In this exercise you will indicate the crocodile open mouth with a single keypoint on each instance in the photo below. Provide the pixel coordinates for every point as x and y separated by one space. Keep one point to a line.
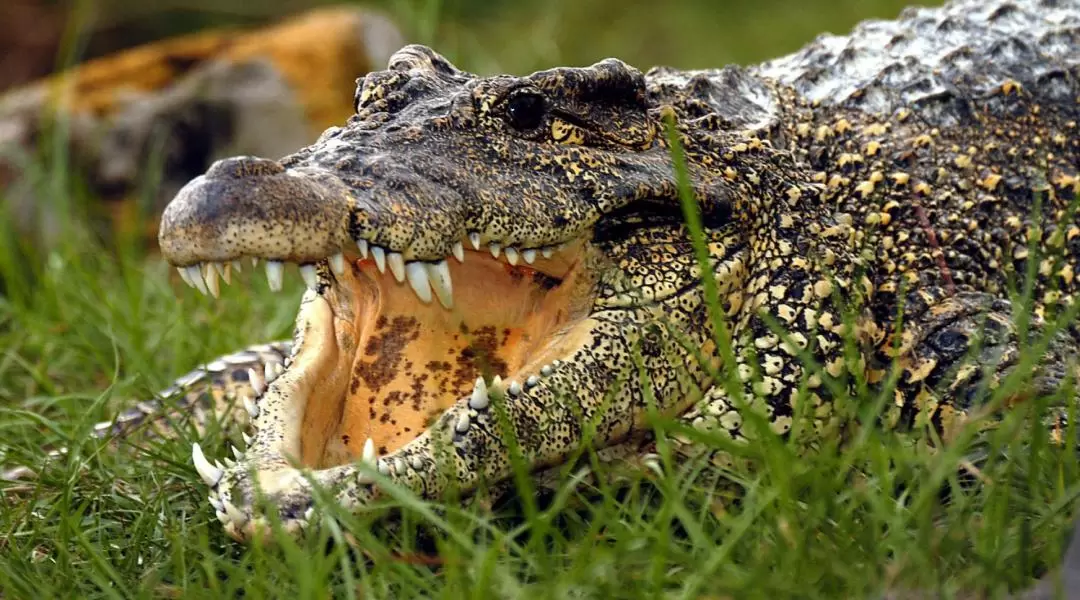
384 346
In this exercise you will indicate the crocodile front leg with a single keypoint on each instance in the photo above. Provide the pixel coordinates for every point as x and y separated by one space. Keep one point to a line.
212 392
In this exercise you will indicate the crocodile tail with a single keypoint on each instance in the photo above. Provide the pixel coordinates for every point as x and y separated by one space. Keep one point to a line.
212 392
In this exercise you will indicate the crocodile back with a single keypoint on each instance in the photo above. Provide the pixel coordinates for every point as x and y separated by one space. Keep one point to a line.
934 59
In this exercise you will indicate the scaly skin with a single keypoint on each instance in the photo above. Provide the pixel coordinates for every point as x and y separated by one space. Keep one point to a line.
891 173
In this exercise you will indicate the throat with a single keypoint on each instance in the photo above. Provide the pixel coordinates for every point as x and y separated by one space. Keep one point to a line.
394 363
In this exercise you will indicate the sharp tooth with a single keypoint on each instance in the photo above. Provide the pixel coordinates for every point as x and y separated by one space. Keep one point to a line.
247 439
184 275
275 271
496 384
237 453
309 513
547 251
218 506
257 382
652 461
231 529
337 264
474 239
380 257
545 370
384 467
417 462
397 265
210 474
234 513
462 424
495 247
439 278
236 266
212 280
254 261
230 462
363 246
368 455
195 274
512 256
307 272
458 251
529 255
479 398
418 279
270 371
251 407
223 270
532 381
514 389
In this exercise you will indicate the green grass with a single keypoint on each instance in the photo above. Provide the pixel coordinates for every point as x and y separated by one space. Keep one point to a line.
847 521
86 327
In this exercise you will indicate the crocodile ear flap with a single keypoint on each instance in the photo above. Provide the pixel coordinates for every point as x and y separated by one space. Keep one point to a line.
609 81
607 98
415 70
728 98
416 57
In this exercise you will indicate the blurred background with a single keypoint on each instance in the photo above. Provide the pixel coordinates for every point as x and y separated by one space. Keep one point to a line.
482 35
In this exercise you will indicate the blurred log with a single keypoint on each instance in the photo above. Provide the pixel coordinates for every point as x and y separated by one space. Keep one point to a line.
137 125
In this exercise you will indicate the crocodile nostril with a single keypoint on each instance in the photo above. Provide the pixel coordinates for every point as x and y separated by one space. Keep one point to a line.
239 167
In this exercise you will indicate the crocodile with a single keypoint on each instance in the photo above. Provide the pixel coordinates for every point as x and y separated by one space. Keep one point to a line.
515 268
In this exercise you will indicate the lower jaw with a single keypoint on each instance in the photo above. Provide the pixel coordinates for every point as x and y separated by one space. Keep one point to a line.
372 361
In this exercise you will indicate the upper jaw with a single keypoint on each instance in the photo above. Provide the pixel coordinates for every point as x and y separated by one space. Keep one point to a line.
258 208
254 207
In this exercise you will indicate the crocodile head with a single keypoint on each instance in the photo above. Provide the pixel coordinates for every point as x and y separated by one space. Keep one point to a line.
456 227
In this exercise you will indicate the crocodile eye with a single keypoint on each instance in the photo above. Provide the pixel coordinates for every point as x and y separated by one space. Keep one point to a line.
526 111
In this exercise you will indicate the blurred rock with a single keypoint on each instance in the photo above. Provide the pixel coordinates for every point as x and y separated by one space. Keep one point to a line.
139 124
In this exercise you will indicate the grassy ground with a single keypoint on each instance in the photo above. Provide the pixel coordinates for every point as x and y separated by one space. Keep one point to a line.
87 327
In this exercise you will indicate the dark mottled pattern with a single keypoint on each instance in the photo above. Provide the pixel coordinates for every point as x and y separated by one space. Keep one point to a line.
386 349
917 167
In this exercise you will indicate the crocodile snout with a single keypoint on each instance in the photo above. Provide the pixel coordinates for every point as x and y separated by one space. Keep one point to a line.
256 207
